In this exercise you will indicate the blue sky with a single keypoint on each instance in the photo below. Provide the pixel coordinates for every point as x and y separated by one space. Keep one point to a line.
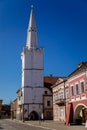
62 31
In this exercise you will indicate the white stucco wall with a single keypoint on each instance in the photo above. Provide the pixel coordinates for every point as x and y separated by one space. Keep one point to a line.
32 78
32 75
32 58
33 95
32 67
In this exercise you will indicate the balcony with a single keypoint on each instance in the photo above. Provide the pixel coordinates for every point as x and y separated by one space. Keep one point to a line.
60 102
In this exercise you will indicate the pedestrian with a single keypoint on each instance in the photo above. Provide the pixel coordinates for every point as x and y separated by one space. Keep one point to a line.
42 117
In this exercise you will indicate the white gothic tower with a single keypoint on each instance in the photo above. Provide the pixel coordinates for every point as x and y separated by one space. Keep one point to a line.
32 73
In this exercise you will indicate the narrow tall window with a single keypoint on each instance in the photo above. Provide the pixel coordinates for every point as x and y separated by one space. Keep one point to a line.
72 90
66 93
61 112
53 97
61 95
48 103
77 90
82 87
56 96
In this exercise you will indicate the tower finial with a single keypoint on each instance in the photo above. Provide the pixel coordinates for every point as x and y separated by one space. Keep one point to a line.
32 6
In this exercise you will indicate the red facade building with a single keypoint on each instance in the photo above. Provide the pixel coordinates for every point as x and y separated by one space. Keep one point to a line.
76 106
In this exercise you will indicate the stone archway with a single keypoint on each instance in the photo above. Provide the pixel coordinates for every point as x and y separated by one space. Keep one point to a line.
33 115
79 113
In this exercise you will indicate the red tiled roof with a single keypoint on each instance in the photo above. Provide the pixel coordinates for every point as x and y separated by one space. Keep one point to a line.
50 79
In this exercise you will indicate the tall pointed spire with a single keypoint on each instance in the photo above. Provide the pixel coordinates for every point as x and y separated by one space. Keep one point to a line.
32 40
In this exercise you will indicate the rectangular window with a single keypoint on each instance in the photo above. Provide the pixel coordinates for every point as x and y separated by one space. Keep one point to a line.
53 97
61 112
48 103
66 93
61 95
45 92
56 96
77 90
82 87
72 90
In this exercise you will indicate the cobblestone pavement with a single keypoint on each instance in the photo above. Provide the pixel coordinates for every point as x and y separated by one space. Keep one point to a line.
6 124
53 125
49 125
